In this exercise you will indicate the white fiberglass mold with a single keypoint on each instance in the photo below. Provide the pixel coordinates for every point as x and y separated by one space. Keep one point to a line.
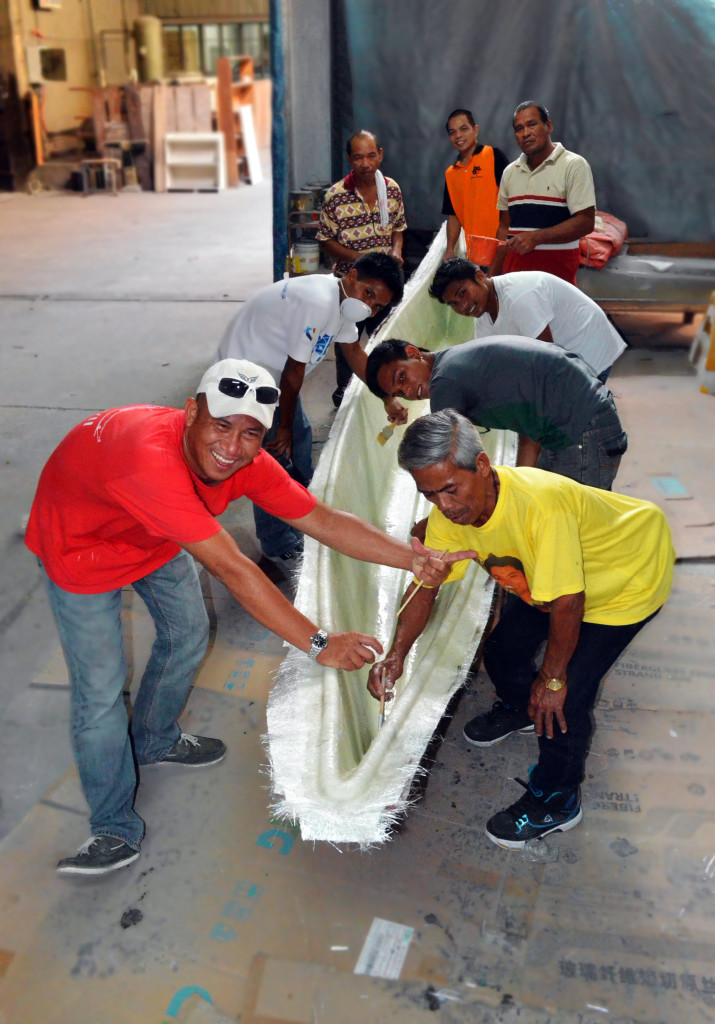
333 772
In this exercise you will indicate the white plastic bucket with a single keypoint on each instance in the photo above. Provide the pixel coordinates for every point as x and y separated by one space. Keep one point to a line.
306 257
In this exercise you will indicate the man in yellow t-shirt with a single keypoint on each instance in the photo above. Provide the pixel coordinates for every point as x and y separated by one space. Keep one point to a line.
585 570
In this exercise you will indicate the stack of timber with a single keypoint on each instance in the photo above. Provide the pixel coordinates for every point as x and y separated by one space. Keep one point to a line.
140 116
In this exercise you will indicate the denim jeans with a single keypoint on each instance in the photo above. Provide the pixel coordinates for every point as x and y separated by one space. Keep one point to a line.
276 537
90 630
509 660
596 457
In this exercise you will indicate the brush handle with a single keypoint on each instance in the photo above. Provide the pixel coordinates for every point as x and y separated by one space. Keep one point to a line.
381 718
404 604
420 583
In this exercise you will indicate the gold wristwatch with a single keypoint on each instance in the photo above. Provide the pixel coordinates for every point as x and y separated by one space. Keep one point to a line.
555 684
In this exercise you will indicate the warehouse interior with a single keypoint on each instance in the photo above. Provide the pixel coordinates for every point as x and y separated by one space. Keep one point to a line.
119 278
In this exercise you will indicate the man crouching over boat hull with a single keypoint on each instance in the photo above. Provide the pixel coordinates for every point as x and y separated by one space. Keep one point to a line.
586 569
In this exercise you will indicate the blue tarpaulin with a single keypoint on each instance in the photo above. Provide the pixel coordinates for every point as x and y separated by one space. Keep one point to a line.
629 84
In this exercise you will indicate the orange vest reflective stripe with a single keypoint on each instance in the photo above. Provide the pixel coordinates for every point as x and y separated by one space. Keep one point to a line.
473 191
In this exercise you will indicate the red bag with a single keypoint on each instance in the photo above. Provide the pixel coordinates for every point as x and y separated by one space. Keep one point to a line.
605 241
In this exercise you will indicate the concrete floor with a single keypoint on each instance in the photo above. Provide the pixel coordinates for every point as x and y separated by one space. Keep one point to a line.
105 301
112 301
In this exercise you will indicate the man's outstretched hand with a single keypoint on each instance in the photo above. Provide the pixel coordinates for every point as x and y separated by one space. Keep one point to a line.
349 651
432 567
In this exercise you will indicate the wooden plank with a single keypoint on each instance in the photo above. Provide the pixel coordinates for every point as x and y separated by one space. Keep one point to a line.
250 146
37 128
649 305
201 97
114 102
685 250
224 103
170 119
159 131
146 92
99 117
184 109
138 133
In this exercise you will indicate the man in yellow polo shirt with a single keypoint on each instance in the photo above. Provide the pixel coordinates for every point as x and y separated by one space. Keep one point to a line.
585 569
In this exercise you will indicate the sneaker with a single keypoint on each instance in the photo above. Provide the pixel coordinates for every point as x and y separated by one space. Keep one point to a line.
195 751
533 817
98 856
338 396
496 725
288 560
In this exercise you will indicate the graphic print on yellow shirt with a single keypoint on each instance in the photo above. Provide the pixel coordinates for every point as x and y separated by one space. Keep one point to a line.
569 538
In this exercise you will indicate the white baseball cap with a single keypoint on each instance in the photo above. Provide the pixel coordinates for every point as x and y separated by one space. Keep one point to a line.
238 387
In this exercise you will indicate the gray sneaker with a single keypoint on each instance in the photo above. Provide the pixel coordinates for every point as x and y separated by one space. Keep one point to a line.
98 856
195 751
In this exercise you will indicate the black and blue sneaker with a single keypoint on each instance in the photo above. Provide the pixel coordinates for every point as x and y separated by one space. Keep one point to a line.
534 816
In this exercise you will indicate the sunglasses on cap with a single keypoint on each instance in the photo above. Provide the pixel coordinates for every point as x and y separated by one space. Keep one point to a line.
238 388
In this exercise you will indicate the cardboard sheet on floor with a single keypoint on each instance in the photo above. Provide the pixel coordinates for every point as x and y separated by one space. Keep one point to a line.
614 917
670 447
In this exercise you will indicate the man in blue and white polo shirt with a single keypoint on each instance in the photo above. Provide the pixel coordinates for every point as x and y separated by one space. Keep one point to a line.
288 329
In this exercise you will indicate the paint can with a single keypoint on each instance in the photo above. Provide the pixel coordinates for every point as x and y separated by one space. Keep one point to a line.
306 257
300 200
318 190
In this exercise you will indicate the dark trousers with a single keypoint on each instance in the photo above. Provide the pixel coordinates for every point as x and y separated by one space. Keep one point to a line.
509 659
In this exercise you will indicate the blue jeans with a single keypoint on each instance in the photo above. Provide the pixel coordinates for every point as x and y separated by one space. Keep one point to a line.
509 660
596 457
276 537
90 630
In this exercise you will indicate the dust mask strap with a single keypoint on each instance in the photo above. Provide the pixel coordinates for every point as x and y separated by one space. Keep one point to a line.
351 309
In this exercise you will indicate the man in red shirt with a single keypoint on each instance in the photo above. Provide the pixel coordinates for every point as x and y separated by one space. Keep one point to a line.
130 496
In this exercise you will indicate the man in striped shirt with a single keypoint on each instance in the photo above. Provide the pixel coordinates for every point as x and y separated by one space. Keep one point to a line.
546 201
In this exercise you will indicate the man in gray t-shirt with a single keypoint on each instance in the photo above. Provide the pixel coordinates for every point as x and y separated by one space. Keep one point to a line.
566 419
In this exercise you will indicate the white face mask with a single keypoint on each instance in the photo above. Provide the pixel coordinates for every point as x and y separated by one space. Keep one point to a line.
353 310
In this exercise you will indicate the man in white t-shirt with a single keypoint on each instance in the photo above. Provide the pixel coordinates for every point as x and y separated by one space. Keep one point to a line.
532 304
288 329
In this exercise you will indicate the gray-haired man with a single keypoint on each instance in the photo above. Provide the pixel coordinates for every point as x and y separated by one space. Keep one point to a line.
585 570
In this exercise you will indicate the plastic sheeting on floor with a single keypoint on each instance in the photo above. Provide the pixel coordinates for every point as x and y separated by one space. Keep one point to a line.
333 771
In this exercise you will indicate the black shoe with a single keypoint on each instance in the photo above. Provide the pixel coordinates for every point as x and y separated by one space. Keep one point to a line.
496 725
98 856
195 751
289 559
533 817
338 396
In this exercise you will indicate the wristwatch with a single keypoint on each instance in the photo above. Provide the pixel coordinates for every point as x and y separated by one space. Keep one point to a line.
318 643
555 684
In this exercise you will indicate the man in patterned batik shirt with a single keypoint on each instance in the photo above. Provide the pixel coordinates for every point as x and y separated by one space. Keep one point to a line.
361 213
